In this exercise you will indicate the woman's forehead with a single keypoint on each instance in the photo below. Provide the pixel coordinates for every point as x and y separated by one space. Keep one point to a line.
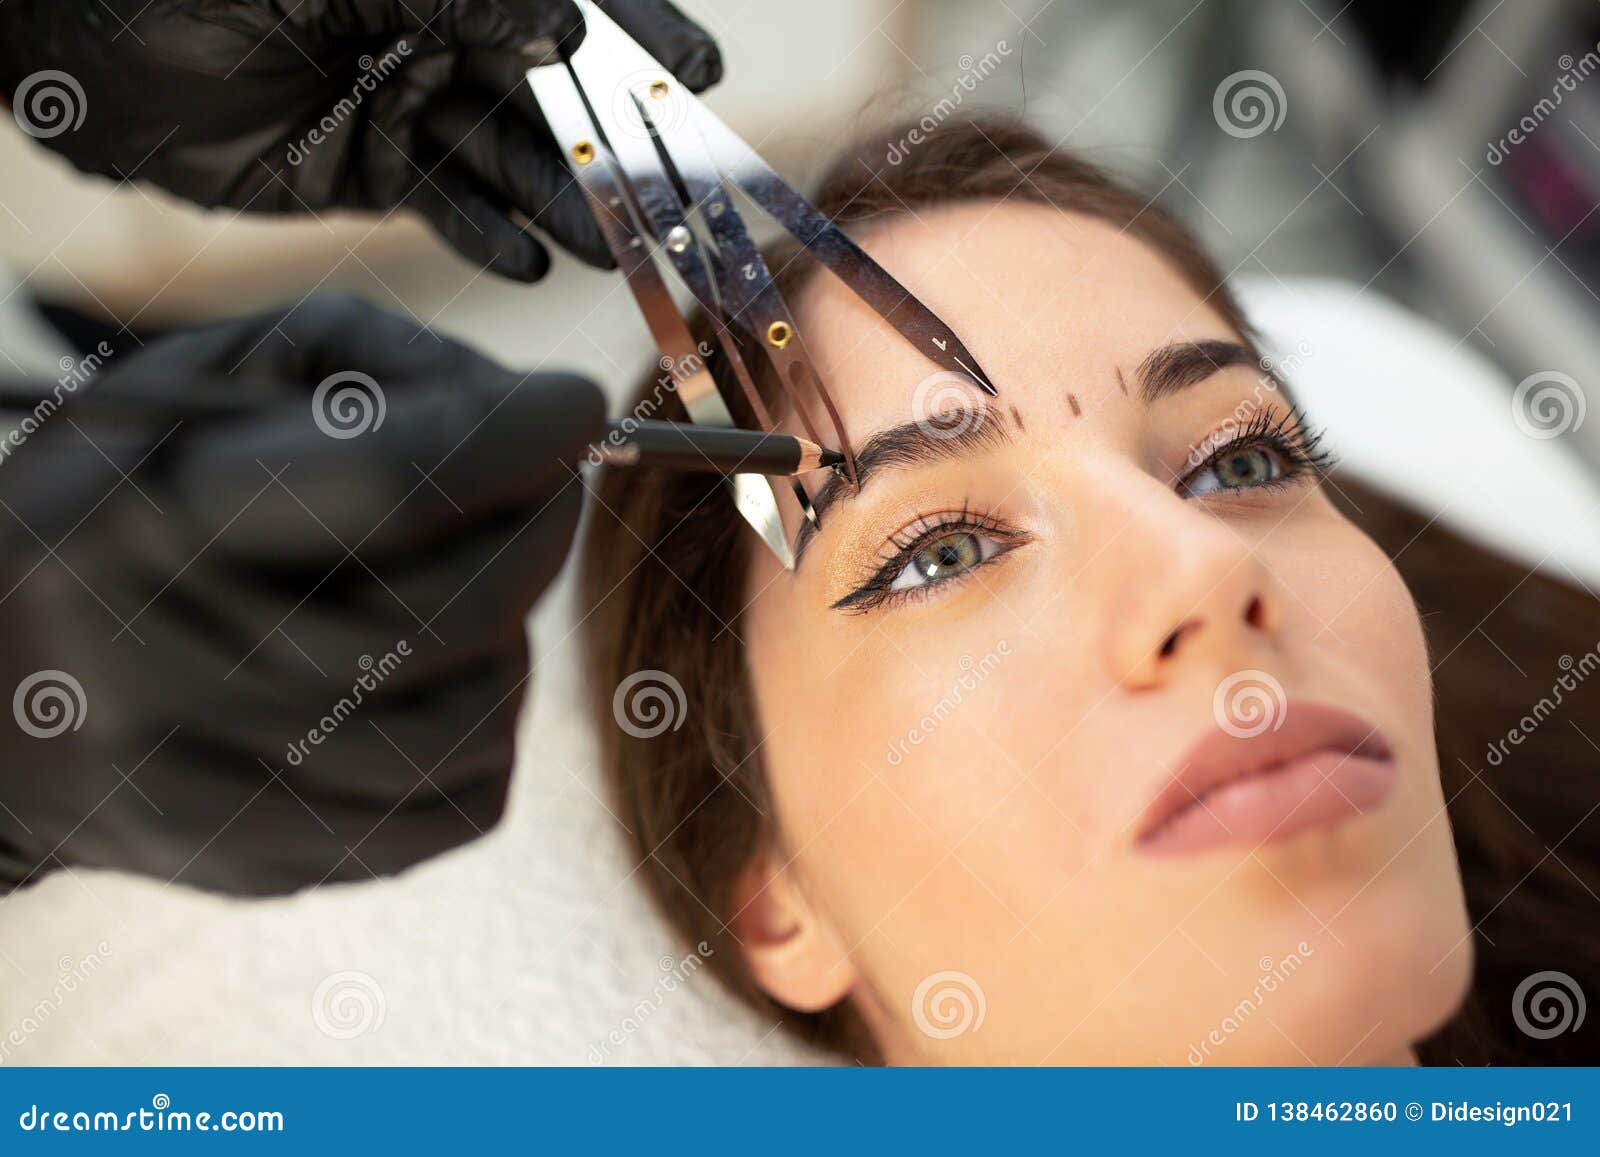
1042 298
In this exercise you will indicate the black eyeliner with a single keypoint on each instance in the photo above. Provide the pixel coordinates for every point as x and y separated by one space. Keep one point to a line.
906 542
1284 431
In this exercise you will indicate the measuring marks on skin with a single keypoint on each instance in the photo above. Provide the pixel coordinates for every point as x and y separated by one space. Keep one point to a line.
1072 403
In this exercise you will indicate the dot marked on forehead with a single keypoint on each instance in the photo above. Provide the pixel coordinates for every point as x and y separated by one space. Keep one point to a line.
1016 416
1077 410
1122 383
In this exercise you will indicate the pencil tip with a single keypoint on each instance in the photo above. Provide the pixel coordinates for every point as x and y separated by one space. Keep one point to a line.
830 458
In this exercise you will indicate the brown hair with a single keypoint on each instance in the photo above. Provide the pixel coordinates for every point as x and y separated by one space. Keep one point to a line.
665 598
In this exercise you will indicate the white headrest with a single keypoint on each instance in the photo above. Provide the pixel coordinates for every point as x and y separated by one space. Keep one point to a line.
1413 410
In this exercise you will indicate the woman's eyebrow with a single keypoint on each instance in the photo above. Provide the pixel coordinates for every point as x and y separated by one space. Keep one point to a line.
1171 368
956 433
949 434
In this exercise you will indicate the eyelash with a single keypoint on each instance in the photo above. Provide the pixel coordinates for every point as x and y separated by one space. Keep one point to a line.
1285 432
905 543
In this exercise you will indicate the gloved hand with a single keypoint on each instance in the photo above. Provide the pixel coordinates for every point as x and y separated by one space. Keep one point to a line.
260 650
324 104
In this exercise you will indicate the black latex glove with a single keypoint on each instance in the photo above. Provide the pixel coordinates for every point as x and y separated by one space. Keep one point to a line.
238 103
214 589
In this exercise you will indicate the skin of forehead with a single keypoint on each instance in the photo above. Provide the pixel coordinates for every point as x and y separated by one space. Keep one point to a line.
1024 285
1029 288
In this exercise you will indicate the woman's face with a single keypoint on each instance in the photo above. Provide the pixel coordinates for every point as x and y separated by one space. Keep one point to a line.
1089 715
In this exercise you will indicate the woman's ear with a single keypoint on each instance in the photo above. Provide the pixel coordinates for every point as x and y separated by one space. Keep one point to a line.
789 946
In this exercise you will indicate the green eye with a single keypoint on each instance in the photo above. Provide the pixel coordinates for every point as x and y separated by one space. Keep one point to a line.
1237 469
1248 467
935 552
942 558
1276 447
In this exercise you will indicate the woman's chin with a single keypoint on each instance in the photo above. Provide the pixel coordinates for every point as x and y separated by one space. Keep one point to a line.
1341 967
1387 971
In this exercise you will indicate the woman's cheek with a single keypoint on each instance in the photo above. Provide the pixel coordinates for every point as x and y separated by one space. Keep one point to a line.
1363 613
904 704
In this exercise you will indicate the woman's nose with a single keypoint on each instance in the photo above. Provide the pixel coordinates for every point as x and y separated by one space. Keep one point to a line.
1192 591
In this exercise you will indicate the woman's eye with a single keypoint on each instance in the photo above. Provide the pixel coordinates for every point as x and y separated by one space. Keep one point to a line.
1236 469
945 557
934 551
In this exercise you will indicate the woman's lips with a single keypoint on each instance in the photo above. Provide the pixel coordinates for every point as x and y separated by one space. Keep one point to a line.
1322 766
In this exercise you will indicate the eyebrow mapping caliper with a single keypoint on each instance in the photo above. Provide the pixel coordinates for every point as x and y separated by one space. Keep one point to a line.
655 166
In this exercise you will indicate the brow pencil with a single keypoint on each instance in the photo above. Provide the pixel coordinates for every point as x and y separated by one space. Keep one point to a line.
724 449
627 442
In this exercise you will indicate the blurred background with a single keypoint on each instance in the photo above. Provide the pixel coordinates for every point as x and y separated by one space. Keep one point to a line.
1444 156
